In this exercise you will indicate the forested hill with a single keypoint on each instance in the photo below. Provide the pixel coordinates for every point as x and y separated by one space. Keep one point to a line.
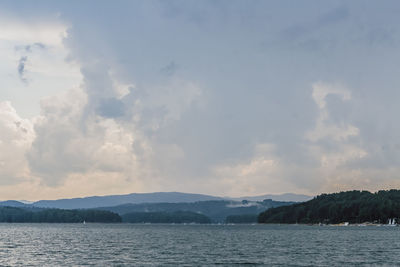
217 210
21 215
351 206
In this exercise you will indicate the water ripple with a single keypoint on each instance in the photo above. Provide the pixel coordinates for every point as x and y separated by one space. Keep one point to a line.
196 245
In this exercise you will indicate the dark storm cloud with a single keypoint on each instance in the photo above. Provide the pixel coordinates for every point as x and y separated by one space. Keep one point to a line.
21 69
23 59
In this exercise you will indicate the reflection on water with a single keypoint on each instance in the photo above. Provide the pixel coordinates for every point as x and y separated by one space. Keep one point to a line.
128 244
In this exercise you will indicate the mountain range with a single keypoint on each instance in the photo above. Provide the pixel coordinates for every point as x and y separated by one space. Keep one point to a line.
138 198
216 210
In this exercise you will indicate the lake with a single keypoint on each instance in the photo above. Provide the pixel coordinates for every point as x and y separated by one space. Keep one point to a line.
196 245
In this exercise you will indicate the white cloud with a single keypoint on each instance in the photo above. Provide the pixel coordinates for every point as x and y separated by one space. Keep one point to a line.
324 128
74 141
212 101
28 32
16 136
39 44
328 147
322 90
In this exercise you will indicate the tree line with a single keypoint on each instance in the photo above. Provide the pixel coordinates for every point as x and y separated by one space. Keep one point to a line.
351 206
165 217
20 215
216 210
43 215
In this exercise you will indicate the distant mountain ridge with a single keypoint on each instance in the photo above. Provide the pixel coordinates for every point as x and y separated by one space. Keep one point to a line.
216 210
159 204
13 203
138 198
114 200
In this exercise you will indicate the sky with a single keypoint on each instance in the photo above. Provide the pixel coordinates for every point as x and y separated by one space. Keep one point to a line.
228 98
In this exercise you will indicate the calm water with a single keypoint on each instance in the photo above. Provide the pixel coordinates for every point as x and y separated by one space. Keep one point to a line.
198 245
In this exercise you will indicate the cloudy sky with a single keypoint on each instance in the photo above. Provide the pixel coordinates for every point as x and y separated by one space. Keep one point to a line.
217 97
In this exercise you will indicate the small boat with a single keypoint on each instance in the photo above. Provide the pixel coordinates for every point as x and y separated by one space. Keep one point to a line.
84 222
392 222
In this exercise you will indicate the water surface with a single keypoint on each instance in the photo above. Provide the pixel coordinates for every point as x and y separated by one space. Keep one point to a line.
196 245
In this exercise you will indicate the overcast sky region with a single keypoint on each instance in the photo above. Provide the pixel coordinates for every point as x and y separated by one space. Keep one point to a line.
228 98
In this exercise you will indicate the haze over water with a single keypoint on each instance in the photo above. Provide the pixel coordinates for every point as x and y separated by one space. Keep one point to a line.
196 245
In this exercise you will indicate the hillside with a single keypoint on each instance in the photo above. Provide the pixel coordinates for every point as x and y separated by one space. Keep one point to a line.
114 200
137 198
216 210
351 206
22 215
13 203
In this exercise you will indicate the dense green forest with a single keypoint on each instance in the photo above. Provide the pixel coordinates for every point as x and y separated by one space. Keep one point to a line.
351 206
20 215
216 210
245 218
165 217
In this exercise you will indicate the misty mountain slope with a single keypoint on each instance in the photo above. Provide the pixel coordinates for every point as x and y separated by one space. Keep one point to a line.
217 210
279 197
157 197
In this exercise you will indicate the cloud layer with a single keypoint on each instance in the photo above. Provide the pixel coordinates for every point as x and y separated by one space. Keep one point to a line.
216 97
